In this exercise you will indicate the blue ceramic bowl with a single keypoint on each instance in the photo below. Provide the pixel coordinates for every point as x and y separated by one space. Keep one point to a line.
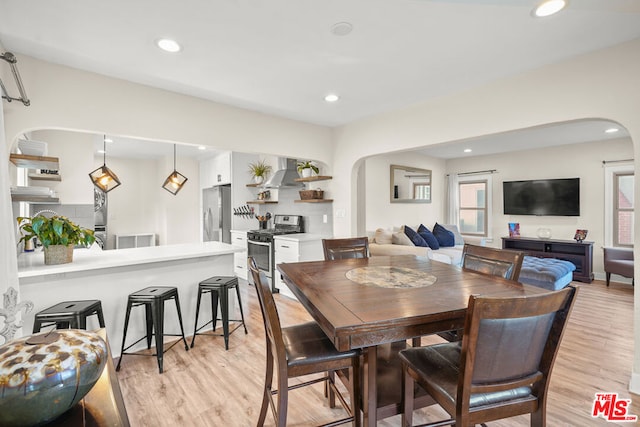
44 375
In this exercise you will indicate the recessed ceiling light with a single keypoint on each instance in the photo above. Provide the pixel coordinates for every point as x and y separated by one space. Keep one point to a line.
202 148
332 97
101 151
169 45
468 150
341 28
612 130
108 140
549 7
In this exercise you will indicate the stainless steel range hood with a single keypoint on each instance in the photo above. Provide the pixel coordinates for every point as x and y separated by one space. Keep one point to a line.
285 175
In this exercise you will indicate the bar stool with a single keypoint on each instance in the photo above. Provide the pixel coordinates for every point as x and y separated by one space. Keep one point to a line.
153 299
219 285
69 314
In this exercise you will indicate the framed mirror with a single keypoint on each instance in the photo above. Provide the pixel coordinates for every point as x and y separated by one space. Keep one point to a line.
410 185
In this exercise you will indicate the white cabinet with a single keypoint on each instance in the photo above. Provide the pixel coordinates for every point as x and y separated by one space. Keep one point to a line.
126 241
295 248
239 238
215 171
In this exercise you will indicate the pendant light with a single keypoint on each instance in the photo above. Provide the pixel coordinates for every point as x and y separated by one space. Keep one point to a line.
175 180
103 177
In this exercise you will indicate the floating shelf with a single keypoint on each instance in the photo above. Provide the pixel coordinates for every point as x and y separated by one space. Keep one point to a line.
314 201
254 185
45 177
261 202
313 178
34 162
34 199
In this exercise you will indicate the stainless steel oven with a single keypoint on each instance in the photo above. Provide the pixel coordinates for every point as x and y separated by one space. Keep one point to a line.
262 252
260 242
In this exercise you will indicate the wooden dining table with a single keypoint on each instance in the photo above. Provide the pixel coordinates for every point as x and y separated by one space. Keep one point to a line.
378 303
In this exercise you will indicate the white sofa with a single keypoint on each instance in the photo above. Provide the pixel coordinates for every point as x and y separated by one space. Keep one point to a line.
393 242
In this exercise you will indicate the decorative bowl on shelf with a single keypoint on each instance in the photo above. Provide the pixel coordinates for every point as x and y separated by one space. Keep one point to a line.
544 233
45 374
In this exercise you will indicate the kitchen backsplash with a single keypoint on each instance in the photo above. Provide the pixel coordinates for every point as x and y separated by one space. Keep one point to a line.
312 212
79 214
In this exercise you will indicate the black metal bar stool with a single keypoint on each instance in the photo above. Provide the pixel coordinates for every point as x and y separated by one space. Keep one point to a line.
218 287
69 314
153 299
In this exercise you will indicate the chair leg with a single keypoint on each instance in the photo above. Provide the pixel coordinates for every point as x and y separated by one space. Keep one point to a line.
214 308
149 322
354 389
407 396
608 278
266 394
283 399
332 394
224 306
240 305
184 339
124 335
195 326
158 325
100 317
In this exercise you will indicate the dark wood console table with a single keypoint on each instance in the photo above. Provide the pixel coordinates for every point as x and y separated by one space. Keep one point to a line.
580 254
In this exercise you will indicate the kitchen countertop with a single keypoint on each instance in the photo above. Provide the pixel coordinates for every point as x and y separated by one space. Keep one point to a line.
301 237
32 264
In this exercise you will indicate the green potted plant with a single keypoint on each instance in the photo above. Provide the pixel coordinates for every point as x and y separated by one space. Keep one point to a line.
57 234
307 168
259 170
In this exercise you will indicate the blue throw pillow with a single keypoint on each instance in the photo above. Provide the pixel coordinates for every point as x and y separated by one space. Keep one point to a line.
416 239
428 237
445 237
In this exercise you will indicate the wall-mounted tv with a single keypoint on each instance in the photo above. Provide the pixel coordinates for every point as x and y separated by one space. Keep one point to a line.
554 197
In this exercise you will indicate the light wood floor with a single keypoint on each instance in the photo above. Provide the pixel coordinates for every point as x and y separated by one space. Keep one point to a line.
208 386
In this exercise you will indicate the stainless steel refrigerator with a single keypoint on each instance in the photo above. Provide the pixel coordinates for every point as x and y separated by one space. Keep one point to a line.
216 214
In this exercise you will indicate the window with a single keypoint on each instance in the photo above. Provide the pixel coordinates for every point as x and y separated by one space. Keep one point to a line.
619 177
473 207
623 208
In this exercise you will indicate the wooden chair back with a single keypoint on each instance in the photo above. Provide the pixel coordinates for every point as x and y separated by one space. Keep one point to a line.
495 262
353 247
271 319
511 344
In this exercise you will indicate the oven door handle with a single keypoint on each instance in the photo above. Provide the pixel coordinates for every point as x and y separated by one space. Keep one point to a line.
253 242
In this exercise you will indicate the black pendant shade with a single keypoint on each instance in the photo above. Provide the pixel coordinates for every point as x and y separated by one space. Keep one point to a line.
103 177
175 180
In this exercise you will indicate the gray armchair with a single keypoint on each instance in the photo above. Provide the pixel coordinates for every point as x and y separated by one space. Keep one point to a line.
618 261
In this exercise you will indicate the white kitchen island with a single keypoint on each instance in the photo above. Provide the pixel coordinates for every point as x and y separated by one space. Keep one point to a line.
111 276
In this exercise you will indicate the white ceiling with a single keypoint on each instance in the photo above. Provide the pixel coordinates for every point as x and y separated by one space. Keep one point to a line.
280 56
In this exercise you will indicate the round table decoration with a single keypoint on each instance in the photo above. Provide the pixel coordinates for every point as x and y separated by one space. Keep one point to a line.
45 374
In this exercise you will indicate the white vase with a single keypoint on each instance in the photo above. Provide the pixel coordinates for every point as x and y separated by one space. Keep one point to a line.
258 179
306 173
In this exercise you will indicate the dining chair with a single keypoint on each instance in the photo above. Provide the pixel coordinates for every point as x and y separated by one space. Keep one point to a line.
297 351
503 365
352 247
491 261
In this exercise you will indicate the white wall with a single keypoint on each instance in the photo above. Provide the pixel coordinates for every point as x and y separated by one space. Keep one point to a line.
141 205
67 98
381 213
583 161
75 153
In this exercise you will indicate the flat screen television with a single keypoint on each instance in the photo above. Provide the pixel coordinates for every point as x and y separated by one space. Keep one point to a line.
553 197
